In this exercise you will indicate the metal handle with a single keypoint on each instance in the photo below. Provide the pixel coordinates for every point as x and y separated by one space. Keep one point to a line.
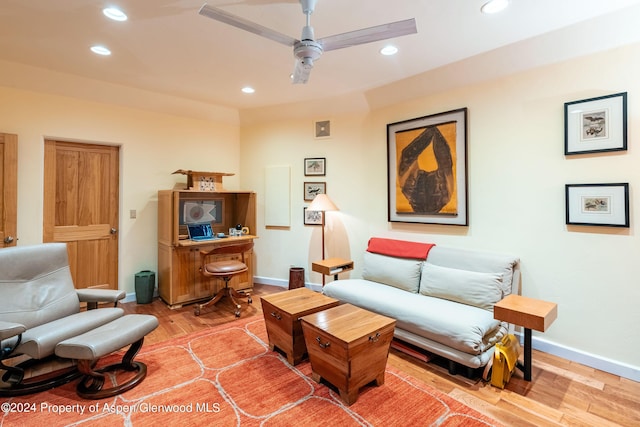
325 345
8 239
375 338
276 315
113 230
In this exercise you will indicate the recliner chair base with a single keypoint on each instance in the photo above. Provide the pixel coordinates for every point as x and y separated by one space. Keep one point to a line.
19 386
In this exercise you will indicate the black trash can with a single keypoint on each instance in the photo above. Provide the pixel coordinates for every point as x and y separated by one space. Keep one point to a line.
145 284
296 277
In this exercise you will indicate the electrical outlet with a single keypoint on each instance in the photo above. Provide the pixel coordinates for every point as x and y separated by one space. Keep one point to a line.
132 214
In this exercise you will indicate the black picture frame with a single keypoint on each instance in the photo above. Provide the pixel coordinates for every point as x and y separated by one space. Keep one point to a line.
411 191
596 125
315 166
312 217
312 189
599 204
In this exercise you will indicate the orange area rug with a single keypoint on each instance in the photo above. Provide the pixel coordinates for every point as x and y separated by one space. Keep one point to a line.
226 376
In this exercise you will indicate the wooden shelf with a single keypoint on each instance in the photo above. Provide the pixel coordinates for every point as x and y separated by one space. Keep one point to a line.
332 266
526 312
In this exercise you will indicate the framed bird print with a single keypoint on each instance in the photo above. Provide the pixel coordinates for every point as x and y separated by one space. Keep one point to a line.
596 124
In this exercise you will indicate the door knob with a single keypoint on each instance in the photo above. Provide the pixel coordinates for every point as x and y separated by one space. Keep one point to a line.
113 231
8 239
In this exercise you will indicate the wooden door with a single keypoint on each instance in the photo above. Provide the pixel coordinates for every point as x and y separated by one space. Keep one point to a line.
8 189
81 184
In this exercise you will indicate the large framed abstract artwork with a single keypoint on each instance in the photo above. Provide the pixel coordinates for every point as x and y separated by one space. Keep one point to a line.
427 169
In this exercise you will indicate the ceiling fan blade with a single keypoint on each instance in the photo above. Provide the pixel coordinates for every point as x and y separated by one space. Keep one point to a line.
368 35
301 72
243 24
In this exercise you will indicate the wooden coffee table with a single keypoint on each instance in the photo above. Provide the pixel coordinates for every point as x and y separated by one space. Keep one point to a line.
348 347
282 312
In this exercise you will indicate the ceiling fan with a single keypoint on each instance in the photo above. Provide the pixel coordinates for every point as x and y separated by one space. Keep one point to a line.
307 50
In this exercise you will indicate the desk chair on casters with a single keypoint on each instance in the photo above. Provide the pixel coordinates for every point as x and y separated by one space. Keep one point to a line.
225 270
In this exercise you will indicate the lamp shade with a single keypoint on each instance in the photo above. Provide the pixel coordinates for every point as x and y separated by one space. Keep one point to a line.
323 203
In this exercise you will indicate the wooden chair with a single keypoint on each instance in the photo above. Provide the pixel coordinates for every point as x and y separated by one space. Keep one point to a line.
225 270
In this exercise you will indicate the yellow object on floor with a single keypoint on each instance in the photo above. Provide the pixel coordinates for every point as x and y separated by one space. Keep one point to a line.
505 358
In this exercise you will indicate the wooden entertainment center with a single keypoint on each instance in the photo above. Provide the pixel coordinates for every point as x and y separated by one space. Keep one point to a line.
179 278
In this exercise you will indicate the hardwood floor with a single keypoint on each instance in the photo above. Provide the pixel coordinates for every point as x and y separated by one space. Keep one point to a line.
560 393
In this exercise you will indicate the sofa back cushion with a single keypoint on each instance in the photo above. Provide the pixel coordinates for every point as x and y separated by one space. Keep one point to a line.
480 290
481 262
402 273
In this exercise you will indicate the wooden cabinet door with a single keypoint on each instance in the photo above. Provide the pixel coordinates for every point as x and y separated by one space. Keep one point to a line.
8 189
184 275
81 184
203 287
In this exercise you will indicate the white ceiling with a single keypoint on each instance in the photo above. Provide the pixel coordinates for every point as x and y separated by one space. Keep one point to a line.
166 47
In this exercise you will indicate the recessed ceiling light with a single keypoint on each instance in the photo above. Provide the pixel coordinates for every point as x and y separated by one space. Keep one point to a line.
494 6
114 13
389 50
100 50
248 89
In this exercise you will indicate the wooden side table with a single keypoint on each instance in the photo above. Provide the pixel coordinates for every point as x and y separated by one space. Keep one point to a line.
282 312
332 267
529 313
348 347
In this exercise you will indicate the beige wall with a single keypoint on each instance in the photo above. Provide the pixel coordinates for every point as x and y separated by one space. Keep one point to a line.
153 145
517 172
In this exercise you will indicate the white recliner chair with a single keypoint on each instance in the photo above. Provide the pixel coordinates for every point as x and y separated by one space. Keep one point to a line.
40 309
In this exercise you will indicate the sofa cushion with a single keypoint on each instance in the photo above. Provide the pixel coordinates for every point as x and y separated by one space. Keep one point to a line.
401 273
480 290
483 262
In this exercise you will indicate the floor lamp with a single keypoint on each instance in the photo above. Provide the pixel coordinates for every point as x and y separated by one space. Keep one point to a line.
322 203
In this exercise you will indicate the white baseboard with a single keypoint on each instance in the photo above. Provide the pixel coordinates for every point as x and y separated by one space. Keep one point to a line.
594 361
285 283
130 297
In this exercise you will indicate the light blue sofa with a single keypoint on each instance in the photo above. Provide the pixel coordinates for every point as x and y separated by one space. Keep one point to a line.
443 304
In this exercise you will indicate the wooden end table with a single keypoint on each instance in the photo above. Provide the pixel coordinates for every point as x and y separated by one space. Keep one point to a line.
331 267
282 312
348 346
529 313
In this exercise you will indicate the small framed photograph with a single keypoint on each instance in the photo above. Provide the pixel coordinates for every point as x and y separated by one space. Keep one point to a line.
312 189
312 217
597 204
315 166
596 124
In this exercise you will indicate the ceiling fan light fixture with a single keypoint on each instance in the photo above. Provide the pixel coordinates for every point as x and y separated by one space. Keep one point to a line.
100 50
307 50
114 13
389 50
494 6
